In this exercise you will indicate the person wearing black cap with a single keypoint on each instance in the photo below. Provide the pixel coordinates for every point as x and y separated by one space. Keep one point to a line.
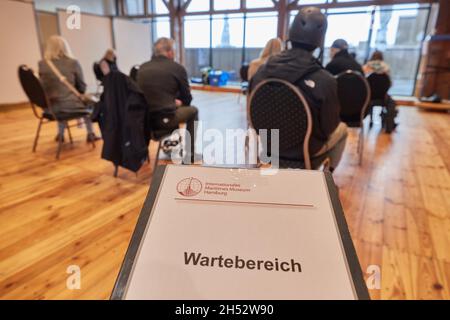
341 59
299 67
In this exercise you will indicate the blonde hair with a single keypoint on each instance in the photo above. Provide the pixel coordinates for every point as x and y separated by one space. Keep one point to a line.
56 48
110 55
273 47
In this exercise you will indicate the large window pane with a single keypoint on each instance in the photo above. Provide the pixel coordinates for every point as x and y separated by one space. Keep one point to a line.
227 5
227 43
251 4
159 7
398 34
161 28
197 31
308 2
134 7
198 6
354 28
261 27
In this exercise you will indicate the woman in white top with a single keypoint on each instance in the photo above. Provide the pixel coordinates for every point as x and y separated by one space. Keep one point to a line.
273 47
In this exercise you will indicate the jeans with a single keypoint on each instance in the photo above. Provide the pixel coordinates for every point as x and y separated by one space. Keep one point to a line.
186 115
87 122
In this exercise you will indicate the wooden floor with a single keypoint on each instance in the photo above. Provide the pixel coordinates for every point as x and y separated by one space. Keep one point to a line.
54 214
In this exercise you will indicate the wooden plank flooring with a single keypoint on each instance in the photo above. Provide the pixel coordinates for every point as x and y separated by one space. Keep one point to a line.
54 214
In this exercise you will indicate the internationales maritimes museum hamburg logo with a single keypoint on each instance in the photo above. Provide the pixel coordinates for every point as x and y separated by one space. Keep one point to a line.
189 187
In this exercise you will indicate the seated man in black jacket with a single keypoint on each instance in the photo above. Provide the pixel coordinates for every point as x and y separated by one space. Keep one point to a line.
341 59
166 88
299 67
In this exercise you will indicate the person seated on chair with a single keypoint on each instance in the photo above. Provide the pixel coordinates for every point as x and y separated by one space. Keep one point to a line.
61 98
299 67
273 47
341 59
376 64
109 62
166 88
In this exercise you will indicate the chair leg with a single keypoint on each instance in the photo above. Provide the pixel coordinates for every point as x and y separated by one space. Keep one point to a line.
371 118
116 171
361 145
60 143
157 158
70 133
36 139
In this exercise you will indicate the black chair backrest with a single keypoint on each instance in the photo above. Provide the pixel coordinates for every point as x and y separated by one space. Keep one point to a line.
134 72
243 72
98 71
354 96
32 87
277 104
379 85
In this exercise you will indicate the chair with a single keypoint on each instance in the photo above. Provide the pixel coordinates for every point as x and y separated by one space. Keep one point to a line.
277 104
134 72
379 87
98 75
34 90
243 72
354 98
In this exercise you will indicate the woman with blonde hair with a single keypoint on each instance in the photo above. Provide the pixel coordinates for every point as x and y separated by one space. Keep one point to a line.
63 82
273 47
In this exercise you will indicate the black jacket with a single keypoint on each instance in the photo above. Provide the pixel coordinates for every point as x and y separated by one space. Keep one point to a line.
123 116
300 68
162 81
342 62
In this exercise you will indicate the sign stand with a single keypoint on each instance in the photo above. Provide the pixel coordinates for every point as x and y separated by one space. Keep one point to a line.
200 188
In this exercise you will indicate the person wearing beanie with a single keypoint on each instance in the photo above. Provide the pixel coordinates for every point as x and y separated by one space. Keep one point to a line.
299 67
341 59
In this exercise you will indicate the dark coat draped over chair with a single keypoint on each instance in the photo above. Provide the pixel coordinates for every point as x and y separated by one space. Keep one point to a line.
124 119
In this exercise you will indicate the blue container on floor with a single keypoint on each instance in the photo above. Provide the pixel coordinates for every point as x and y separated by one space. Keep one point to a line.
218 78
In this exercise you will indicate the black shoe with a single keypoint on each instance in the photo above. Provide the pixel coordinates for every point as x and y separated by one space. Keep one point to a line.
91 137
57 138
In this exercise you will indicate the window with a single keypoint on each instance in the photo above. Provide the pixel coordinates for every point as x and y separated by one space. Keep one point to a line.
197 39
261 27
157 6
252 4
227 5
227 43
399 34
134 7
343 25
309 2
198 6
161 28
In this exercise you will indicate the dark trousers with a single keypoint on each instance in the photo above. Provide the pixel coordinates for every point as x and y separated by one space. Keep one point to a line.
186 115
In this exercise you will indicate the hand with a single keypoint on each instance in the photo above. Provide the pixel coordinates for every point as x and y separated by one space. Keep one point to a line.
178 103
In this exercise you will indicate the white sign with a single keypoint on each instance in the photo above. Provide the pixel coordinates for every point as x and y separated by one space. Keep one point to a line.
218 233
